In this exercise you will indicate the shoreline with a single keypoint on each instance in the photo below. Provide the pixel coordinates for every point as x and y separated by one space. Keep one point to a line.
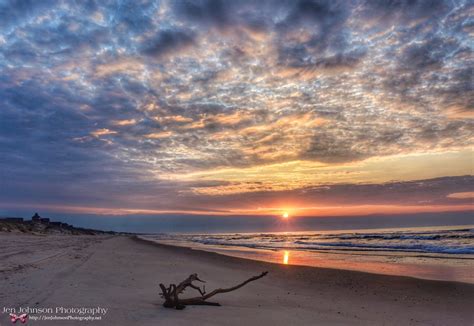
189 250
267 256
121 274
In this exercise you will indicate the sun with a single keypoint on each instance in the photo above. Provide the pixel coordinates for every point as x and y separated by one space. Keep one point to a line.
285 215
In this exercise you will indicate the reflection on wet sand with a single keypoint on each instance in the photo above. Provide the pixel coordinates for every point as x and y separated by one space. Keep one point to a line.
286 256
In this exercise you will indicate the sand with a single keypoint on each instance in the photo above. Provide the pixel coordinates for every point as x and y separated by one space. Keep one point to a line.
121 274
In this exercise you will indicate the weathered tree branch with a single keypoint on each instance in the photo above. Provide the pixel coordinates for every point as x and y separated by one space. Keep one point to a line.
217 291
171 293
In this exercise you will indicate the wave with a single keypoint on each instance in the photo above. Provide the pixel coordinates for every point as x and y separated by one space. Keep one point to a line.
404 236
349 246
413 248
436 241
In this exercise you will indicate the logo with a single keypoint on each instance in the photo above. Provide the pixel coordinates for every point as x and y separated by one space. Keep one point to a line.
14 318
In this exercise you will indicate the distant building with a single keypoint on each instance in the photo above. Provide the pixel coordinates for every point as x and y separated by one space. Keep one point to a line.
13 219
36 218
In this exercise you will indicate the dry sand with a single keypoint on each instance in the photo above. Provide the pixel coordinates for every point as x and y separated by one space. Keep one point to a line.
122 274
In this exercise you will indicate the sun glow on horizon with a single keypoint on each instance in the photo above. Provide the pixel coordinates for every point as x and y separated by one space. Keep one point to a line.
285 215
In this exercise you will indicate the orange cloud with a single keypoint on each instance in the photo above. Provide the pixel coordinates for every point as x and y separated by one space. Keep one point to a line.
462 195
124 122
159 135
173 118
102 132
127 65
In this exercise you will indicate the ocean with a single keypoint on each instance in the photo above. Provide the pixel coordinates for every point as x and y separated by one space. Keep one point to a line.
441 253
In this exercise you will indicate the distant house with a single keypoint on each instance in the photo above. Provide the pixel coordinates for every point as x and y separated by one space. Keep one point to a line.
13 219
36 218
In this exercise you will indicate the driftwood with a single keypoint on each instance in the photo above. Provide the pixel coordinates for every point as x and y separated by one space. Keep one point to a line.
170 293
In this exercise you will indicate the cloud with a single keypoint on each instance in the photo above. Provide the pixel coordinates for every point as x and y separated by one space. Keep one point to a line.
404 11
102 132
431 192
140 92
15 12
462 195
167 41
204 11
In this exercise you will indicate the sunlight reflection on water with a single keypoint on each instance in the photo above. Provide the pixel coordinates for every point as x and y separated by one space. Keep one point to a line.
286 256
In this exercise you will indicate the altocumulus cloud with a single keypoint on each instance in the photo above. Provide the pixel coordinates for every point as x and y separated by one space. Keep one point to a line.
109 95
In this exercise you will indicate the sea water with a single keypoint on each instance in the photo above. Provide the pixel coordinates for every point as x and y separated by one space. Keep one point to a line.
442 253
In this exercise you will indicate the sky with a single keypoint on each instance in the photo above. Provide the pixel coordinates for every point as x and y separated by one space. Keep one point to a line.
224 108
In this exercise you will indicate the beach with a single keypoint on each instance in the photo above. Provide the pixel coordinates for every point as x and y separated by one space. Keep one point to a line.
116 278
